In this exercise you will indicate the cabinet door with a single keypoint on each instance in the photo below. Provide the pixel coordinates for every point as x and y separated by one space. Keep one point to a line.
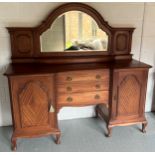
32 97
129 87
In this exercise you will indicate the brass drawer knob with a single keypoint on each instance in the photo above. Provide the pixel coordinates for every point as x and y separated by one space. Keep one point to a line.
98 77
98 86
69 78
69 88
97 97
69 99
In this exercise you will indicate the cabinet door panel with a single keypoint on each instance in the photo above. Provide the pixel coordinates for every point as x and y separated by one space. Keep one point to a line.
34 102
128 95
32 98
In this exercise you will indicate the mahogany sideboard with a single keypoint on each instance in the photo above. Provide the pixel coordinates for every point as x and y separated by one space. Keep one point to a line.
42 83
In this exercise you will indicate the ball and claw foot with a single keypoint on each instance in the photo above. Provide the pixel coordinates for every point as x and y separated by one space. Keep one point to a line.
14 145
109 132
57 139
144 127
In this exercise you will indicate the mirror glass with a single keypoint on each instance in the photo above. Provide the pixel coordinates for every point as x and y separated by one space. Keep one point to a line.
74 31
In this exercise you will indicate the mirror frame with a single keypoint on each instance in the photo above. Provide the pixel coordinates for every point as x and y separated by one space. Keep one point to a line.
102 34
46 24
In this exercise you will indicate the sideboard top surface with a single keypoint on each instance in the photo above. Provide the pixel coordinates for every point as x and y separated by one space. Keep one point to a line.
36 68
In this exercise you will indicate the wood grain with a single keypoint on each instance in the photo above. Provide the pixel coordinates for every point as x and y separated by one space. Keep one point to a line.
25 42
83 99
39 81
80 87
86 75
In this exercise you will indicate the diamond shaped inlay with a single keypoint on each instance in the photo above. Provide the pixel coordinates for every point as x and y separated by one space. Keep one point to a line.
33 105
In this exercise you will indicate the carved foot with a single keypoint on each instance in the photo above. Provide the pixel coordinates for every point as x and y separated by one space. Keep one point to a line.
109 131
14 144
144 127
58 139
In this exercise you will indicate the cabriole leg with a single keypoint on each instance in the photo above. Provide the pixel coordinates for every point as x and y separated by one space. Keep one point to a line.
13 143
58 138
144 127
109 131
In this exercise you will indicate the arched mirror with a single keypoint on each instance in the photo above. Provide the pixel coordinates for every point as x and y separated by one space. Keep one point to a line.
74 31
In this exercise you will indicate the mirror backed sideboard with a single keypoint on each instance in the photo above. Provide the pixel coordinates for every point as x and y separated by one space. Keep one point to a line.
73 58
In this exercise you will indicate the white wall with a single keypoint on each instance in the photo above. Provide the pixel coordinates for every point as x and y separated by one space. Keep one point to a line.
117 14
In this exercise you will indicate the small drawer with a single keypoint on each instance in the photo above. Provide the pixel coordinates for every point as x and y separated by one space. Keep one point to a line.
79 87
83 99
84 75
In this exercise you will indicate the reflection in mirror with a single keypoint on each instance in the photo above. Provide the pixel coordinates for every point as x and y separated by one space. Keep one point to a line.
74 31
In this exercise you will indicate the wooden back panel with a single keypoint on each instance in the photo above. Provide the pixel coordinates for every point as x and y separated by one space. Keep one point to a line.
25 42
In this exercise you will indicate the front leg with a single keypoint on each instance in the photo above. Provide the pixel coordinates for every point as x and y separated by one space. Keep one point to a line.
58 138
109 131
13 143
144 127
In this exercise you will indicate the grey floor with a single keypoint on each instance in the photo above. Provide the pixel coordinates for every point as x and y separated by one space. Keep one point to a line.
87 135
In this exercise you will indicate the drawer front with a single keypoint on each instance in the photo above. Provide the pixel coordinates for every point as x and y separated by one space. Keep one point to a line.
82 87
85 75
80 99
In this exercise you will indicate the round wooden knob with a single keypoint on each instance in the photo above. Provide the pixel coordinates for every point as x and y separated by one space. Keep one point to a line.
98 76
97 96
98 86
69 88
69 78
69 99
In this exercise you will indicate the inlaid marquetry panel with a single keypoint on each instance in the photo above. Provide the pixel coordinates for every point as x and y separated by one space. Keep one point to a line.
122 41
33 101
23 43
128 96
